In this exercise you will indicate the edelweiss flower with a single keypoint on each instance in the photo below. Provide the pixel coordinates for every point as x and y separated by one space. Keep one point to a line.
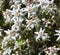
29 24
16 6
41 34
45 3
29 9
7 51
58 34
12 34
7 15
15 27
32 22
17 20
52 50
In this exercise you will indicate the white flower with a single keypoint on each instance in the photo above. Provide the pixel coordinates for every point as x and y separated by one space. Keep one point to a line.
15 27
13 34
7 51
57 34
29 24
41 34
52 50
32 22
31 9
7 15
45 3
16 6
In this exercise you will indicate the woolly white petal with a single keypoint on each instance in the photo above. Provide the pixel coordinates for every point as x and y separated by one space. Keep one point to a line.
36 32
58 38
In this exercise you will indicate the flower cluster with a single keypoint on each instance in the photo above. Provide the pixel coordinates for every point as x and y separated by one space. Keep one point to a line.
29 21
51 50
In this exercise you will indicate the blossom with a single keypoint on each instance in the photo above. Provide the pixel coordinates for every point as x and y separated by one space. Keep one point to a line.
7 51
7 15
16 6
52 50
32 22
17 20
57 34
15 27
6 41
41 34
12 34
29 9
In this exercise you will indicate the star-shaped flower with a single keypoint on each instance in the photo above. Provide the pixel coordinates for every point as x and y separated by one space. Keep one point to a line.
41 34
52 50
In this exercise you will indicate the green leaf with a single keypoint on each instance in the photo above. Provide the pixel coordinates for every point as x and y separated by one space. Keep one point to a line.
20 42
